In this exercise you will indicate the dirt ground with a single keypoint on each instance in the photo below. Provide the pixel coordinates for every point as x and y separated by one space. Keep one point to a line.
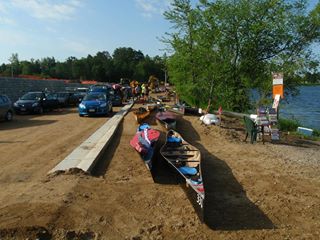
253 191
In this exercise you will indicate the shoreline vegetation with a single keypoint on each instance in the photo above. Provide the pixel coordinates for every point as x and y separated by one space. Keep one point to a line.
291 125
214 54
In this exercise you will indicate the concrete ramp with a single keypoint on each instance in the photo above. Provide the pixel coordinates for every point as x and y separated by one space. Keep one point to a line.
87 154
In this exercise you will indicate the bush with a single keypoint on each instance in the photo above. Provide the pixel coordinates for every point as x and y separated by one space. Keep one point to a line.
288 125
316 133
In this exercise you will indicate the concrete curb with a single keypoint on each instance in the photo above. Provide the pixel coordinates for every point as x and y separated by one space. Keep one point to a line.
86 155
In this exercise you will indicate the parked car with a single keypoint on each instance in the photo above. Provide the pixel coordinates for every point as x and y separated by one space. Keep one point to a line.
67 98
95 103
115 98
6 111
36 102
80 93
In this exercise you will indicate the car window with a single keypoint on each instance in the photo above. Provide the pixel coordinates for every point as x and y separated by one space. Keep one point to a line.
32 96
95 96
51 96
5 99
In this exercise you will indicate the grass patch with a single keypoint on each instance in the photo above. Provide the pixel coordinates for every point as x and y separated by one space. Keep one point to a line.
288 125
291 125
316 133
302 136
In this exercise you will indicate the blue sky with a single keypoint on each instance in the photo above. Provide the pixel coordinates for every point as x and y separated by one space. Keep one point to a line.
45 28
63 28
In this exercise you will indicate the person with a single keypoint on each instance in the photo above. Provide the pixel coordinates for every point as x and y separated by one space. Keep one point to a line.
146 94
143 90
138 90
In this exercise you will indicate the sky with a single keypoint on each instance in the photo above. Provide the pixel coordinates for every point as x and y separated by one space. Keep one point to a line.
64 28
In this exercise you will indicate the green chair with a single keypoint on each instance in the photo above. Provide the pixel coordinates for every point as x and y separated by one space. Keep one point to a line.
251 129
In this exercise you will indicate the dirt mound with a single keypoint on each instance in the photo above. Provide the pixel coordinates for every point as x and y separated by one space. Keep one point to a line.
71 171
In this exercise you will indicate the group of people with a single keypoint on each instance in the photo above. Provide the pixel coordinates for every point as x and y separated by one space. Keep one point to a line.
140 90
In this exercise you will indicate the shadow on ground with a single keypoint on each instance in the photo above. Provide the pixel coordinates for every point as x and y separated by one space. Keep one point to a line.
102 165
19 123
226 205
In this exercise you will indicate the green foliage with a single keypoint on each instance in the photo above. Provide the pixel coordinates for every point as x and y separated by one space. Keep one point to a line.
229 47
288 125
302 136
124 63
316 133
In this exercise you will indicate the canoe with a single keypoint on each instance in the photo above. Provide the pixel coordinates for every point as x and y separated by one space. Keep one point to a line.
192 111
163 98
144 142
186 160
141 114
167 119
179 109
151 106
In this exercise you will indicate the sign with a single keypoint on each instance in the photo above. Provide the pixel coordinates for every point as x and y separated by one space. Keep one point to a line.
277 90
277 84
275 134
276 101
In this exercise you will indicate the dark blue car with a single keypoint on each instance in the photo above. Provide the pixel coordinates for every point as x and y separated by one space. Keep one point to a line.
95 103
35 102
109 91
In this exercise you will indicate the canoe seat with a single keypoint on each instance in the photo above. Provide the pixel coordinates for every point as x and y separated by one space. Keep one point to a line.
173 139
188 170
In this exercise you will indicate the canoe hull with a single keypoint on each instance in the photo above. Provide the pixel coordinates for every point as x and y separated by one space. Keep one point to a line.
168 123
167 119
186 160
141 115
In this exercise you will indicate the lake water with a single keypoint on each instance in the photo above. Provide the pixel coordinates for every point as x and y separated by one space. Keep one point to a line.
305 107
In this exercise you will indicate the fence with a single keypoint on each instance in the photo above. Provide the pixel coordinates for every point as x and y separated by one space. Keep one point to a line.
16 87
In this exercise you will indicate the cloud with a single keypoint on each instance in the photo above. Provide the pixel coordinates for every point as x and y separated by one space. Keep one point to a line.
151 8
7 21
48 9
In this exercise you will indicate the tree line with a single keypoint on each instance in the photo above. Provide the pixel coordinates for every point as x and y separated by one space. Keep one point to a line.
223 49
124 63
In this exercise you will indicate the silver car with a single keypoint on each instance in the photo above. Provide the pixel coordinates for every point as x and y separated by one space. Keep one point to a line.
6 111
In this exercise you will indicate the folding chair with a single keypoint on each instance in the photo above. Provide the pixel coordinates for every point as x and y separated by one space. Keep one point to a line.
251 129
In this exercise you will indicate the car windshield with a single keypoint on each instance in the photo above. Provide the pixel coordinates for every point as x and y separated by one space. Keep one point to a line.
95 96
32 96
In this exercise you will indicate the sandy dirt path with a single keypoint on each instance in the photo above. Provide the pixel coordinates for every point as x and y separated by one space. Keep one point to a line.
254 191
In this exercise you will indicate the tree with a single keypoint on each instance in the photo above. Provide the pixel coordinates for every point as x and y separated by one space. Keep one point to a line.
14 61
47 66
184 66
125 60
125 63
236 44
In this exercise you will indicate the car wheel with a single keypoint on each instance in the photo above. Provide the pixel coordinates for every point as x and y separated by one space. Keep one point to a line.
9 116
80 115
40 110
